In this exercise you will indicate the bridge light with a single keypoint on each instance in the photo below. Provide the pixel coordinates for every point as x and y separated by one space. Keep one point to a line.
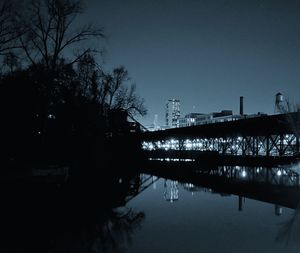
189 145
244 173
279 173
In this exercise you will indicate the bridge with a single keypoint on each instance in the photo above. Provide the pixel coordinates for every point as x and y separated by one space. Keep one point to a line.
261 136
279 185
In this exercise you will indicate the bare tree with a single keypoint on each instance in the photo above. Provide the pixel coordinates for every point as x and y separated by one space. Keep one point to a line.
119 96
87 73
106 80
11 62
127 100
8 31
50 32
117 78
110 90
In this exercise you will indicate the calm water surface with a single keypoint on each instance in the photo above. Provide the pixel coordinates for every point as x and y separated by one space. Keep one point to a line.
227 209
180 217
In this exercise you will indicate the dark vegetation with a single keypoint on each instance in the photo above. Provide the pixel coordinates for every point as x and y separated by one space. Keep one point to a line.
57 106
63 110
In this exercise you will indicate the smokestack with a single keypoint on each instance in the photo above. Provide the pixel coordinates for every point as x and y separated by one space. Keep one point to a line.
241 105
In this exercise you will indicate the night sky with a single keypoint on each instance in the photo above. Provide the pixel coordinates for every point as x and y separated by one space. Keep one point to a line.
207 53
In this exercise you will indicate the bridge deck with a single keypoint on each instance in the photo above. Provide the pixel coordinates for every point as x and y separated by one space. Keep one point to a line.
258 126
276 135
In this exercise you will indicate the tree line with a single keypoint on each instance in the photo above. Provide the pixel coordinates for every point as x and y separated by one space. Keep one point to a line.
50 98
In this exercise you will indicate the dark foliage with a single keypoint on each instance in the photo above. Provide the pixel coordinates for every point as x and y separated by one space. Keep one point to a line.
56 120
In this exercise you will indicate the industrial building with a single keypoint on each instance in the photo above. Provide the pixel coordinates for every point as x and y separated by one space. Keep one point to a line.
193 119
174 120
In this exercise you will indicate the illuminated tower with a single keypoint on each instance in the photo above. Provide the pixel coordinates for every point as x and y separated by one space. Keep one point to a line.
172 113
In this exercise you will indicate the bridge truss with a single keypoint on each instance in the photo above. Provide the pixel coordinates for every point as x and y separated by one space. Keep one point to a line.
276 135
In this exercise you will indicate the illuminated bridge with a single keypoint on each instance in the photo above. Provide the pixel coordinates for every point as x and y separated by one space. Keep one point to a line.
262 136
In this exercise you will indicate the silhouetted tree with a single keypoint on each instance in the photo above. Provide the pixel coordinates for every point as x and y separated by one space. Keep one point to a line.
63 102
117 78
109 89
89 73
119 96
128 100
50 32
11 62
8 31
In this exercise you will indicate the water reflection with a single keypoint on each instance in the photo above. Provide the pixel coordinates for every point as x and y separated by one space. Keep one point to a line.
278 185
290 230
280 175
80 216
171 190
115 233
172 193
123 213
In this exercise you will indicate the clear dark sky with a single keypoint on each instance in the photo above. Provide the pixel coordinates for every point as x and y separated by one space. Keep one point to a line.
207 53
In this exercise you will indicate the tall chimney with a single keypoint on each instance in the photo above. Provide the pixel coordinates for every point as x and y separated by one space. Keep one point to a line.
241 105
